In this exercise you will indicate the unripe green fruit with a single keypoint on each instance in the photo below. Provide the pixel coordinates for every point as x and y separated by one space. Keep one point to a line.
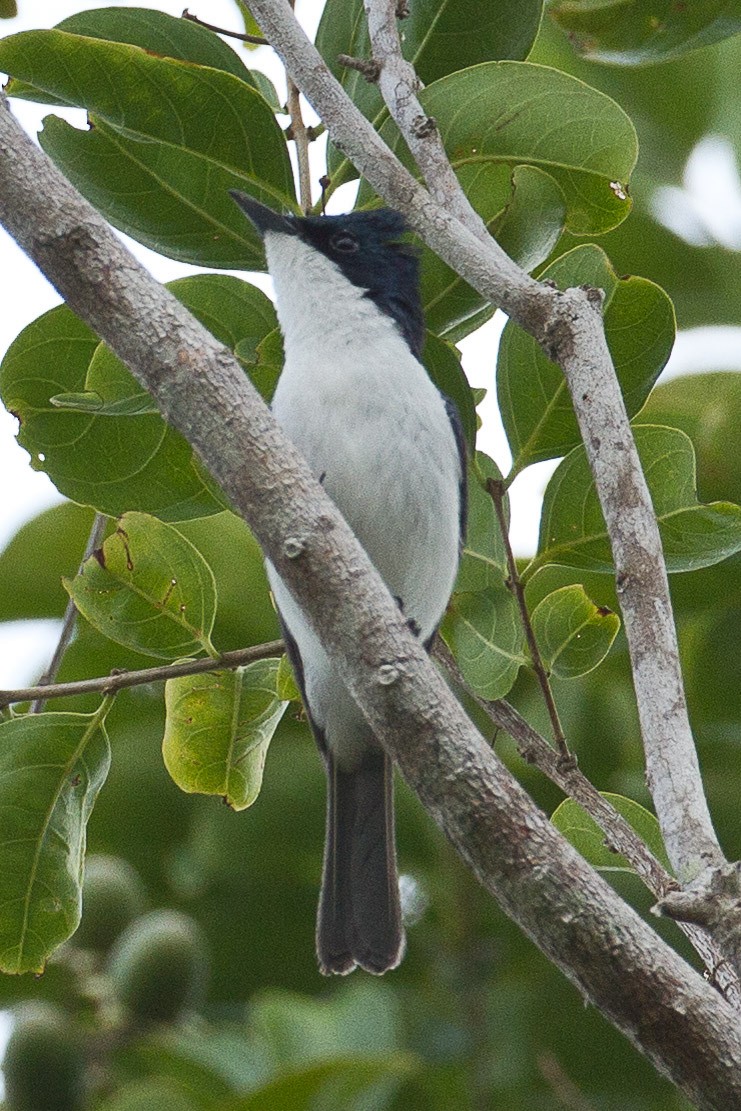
159 966
43 1064
112 896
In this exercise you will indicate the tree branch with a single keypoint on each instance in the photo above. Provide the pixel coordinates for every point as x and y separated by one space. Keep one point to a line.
569 328
398 84
119 680
665 1008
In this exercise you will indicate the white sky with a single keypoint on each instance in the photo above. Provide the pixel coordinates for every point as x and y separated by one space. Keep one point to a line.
706 210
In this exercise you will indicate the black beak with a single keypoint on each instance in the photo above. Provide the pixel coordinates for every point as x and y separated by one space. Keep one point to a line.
262 217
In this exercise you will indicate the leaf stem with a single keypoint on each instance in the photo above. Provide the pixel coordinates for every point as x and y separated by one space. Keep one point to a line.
496 489
94 541
118 680
258 40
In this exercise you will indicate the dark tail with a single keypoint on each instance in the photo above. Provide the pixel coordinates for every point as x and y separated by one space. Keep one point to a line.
359 919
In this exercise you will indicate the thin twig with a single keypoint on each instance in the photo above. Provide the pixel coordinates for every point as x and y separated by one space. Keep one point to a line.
94 541
301 137
369 68
495 490
257 40
118 680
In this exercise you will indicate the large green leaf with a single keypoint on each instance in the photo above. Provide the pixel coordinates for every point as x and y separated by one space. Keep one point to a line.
535 405
155 32
130 460
522 114
631 32
524 210
572 528
168 140
149 589
438 37
573 634
51 768
218 729
484 632
585 835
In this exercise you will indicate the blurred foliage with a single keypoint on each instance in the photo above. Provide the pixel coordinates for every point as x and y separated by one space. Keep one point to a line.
191 983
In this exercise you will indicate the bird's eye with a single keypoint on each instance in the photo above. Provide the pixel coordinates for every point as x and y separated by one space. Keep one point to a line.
344 242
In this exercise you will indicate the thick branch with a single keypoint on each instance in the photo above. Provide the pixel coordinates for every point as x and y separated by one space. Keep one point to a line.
574 336
615 959
673 771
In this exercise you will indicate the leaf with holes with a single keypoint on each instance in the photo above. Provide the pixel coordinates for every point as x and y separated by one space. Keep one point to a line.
516 114
572 528
218 728
52 767
148 588
168 139
573 634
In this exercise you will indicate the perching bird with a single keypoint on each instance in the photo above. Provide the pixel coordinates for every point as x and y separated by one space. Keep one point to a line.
355 399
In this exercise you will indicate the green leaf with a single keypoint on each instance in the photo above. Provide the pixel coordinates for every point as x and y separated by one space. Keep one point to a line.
484 632
516 114
168 140
149 589
572 529
438 37
586 836
114 454
483 560
634 32
218 729
155 32
338 1083
524 210
443 363
533 398
573 634
52 767
286 686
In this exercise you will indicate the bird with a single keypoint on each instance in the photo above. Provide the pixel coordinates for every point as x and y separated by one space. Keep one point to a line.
354 397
